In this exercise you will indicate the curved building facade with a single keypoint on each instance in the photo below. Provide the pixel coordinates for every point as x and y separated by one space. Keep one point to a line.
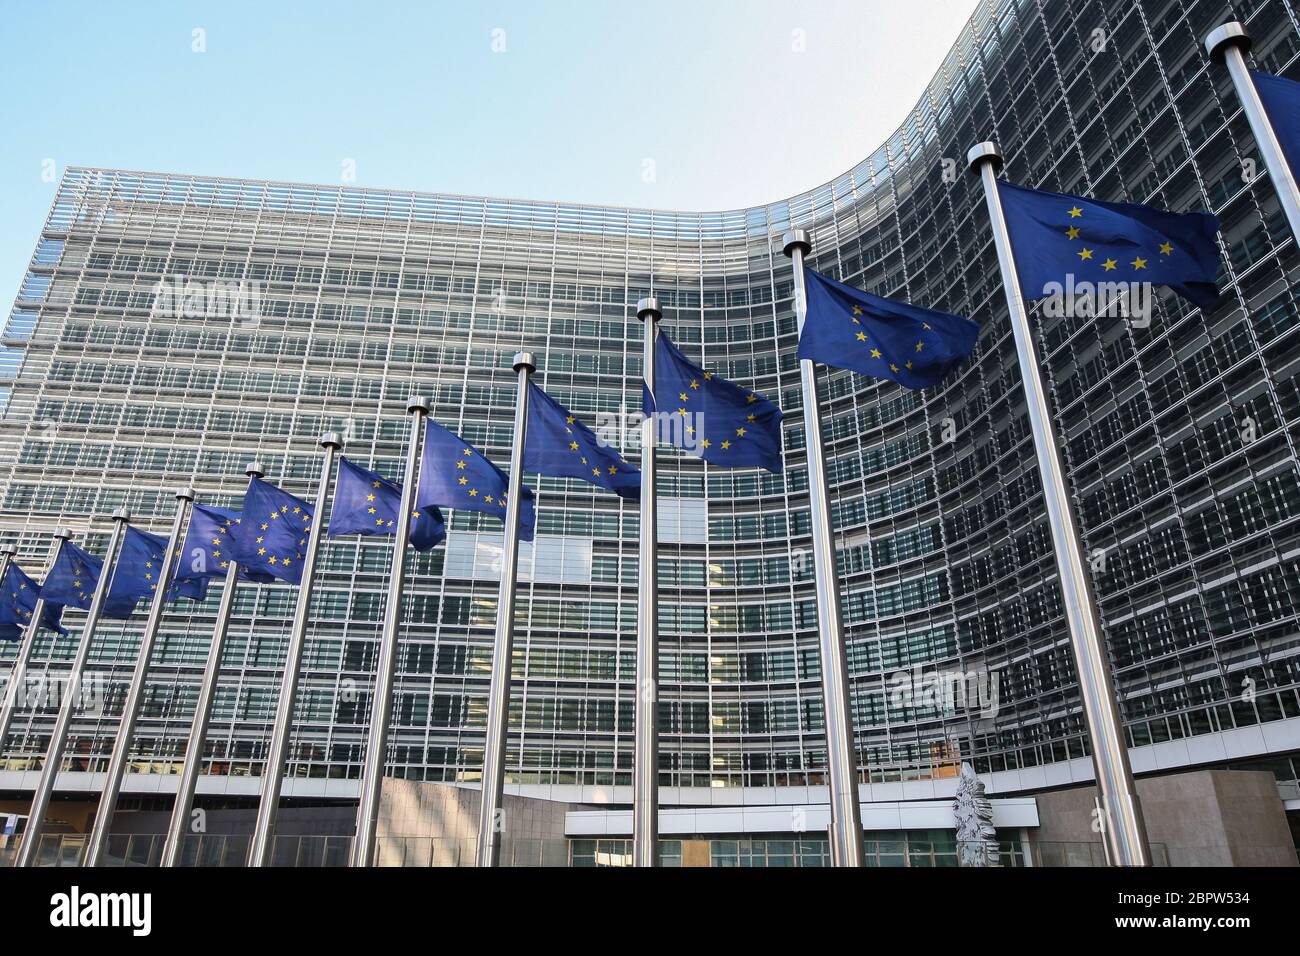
1181 443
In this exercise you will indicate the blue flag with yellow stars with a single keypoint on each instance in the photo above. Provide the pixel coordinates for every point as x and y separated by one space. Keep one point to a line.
138 571
559 445
18 595
1054 236
455 474
1281 99
209 546
848 328
366 503
73 577
711 418
271 535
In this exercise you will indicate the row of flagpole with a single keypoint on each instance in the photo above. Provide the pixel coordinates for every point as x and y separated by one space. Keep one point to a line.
18 673
277 757
179 824
67 701
1122 827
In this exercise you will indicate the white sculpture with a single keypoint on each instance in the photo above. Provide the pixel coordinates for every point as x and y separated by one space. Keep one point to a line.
976 839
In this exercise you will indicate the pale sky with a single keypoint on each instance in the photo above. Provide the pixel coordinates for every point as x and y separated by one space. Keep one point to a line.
702 105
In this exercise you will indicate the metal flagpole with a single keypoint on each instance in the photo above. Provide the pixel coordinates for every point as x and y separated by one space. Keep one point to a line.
1227 44
1120 816
179 825
18 674
841 754
645 746
59 735
6 556
98 838
259 853
381 708
498 716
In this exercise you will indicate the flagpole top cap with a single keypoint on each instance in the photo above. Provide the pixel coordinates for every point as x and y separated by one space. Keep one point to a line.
331 440
417 403
796 239
121 514
985 152
1221 37
648 308
185 494
525 360
63 534
8 550
254 469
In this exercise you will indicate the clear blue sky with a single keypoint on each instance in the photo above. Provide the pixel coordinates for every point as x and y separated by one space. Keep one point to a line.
736 102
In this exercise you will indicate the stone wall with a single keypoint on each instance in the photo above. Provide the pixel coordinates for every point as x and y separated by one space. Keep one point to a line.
1202 817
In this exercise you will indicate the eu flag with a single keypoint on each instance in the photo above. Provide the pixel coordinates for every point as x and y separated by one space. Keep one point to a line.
848 328
712 418
138 571
209 546
455 474
73 577
1281 99
271 535
18 595
1061 241
367 503
561 446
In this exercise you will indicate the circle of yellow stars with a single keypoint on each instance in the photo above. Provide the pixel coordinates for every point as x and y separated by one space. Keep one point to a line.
288 515
218 541
576 448
473 492
16 596
731 440
372 509
875 352
1137 263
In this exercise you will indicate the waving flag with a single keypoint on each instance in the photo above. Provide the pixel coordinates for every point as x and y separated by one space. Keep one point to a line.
18 596
719 421
1054 236
209 546
455 474
271 536
366 503
560 445
73 577
138 572
848 328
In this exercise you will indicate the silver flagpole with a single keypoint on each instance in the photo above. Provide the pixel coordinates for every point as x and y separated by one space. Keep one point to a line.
1120 816
1227 44
260 852
645 741
179 825
490 821
381 708
98 838
6 556
18 675
76 678
841 754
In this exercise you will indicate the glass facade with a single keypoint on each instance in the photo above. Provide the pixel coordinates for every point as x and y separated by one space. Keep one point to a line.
1181 439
